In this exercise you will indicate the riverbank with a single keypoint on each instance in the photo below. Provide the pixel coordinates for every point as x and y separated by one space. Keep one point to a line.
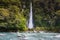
46 29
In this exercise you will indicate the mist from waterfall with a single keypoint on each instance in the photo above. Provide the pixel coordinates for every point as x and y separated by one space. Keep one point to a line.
30 25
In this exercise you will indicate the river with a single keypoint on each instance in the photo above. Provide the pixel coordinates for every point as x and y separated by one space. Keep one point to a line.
29 36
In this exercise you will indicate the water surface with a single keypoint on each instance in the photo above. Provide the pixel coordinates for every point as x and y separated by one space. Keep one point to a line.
30 36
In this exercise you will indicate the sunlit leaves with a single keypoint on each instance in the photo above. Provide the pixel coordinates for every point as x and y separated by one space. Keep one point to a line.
58 12
10 1
4 12
57 0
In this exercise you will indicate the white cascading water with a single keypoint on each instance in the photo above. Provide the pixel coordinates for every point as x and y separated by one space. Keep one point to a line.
30 25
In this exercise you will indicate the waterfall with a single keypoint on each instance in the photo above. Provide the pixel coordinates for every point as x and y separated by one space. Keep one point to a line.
30 25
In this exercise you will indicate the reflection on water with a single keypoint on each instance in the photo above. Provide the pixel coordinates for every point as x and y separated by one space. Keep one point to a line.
30 36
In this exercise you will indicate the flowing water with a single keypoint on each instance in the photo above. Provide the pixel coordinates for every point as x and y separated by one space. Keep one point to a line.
30 25
30 36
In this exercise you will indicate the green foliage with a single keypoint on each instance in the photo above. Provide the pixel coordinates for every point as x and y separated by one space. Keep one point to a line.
57 0
12 18
4 12
58 12
37 29
46 14
12 1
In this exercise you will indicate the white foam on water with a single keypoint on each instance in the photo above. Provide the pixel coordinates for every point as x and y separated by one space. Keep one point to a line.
58 36
2 34
11 39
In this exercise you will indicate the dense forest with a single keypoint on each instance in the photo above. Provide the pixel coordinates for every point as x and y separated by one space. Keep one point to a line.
14 15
